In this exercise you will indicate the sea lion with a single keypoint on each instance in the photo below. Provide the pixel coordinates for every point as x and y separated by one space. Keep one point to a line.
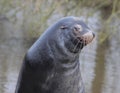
51 65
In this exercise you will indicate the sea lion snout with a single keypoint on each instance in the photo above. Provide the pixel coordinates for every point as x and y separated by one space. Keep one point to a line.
84 36
88 37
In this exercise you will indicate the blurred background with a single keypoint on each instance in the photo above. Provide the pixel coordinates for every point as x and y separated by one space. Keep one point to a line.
23 21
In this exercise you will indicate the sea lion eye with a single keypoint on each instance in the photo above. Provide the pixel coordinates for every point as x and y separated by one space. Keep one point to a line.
77 28
63 27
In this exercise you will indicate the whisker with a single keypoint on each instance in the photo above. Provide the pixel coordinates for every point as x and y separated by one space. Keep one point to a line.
85 42
81 44
80 40
76 44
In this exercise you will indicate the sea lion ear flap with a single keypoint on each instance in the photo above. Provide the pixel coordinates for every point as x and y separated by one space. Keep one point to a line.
63 27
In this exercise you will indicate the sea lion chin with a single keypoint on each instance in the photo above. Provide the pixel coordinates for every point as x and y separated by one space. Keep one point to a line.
51 65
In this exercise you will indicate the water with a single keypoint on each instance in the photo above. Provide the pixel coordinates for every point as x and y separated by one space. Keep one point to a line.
100 64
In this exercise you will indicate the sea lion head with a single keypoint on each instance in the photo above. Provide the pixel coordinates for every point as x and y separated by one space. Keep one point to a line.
74 34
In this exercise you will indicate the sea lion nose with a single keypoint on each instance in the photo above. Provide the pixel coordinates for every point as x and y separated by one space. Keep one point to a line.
77 28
